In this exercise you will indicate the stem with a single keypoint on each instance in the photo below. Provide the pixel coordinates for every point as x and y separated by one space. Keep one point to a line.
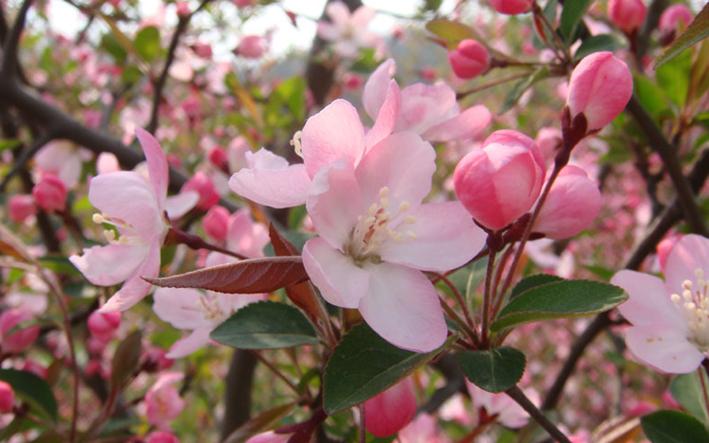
498 277
492 84
458 320
516 394
487 295
461 300
705 395
195 242
362 425
25 156
277 372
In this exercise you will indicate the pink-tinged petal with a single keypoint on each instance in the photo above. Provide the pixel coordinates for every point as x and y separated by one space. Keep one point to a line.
361 18
389 411
328 31
468 124
648 302
402 306
687 256
157 163
183 347
246 236
402 162
270 181
425 106
135 288
375 90
127 196
111 264
340 282
182 308
445 237
664 348
339 13
333 219
178 205
332 134
386 118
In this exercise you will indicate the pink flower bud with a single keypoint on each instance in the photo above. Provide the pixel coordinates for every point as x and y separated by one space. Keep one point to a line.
352 81
469 59
202 184
183 9
35 367
549 140
21 207
14 340
500 182
627 15
216 223
50 193
571 206
104 326
511 7
203 50
161 437
251 46
389 411
7 398
600 87
674 15
218 157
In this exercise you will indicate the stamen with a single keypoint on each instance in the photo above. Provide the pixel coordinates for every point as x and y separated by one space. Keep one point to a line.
297 145
98 218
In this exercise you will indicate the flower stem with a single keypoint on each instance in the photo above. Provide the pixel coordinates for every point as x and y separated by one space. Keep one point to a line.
487 295
516 394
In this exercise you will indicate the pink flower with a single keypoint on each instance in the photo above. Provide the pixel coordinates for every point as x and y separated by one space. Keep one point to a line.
664 248
388 412
675 16
107 162
501 181
216 223
50 193
600 87
375 235
161 437
252 46
669 329
269 437
571 206
424 429
511 7
428 110
134 206
7 398
162 401
62 160
508 412
348 31
218 157
469 59
202 185
14 339
103 326
21 207
549 141
628 15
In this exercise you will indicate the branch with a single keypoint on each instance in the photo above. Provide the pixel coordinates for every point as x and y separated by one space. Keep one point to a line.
237 396
518 396
9 50
22 159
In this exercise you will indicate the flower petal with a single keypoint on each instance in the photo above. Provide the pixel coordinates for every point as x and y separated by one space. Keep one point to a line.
339 13
340 282
178 205
135 288
187 345
425 106
386 118
157 163
468 124
649 302
246 236
402 306
376 87
664 348
111 264
181 307
689 254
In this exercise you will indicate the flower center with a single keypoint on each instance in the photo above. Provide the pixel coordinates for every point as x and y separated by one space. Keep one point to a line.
381 224
211 309
121 231
694 303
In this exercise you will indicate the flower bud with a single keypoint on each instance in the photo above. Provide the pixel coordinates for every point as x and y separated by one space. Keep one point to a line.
21 207
251 46
627 15
571 206
674 15
14 340
511 7
218 157
469 59
50 193
216 223
500 182
7 398
389 411
549 141
104 325
161 437
600 87
202 184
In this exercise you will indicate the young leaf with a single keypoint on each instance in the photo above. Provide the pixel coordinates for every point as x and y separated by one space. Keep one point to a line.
601 42
450 31
495 370
564 299
571 16
697 31
147 43
33 390
533 281
251 276
673 427
364 365
260 423
687 390
126 359
265 325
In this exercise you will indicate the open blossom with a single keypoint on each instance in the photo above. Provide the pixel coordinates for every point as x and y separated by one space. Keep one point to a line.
63 160
347 31
162 401
429 110
388 412
423 429
469 59
134 206
670 319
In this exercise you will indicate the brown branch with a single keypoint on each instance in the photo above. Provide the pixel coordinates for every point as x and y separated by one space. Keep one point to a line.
518 396
237 396
9 49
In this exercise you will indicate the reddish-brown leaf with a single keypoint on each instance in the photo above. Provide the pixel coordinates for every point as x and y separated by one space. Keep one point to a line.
244 277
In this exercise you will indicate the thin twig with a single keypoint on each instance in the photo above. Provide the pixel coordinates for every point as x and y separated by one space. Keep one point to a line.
487 295
518 396
9 50
276 372
25 156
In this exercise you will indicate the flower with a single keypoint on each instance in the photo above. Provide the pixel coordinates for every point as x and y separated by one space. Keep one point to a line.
469 59
21 207
63 160
135 209
15 339
252 46
511 7
348 31
103 326
216 222
50 193
675 16
628 15
162 401
388 412
506 410
670 319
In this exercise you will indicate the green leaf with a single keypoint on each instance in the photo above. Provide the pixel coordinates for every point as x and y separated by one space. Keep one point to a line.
697 31
687 390
571 16
673 427
495 370
520 87
262 422
601 42
265 325
125 359
33 390
147 43
534 281
363 365
450 31
564 299
59 264
9 143
673 77
650 96
110 44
